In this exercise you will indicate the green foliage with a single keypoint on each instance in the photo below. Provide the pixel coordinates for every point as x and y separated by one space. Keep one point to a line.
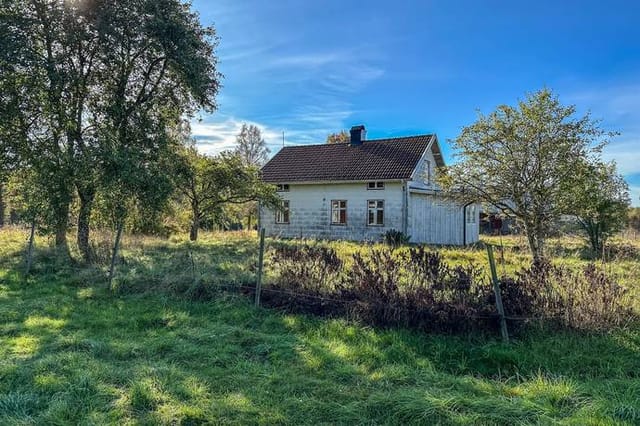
522 160
395 238
47 71
634 218
210 183
92 92
600 203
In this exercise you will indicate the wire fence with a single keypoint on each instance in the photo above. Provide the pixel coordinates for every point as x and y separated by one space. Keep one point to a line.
273 295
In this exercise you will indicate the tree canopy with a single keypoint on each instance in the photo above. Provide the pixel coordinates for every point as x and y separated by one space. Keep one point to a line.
600 202
250 146
83 81
522 160
210 183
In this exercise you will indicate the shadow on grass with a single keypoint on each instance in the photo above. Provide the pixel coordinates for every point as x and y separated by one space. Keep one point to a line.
74 353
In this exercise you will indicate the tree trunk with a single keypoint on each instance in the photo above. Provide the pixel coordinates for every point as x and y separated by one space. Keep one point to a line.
195 222
13 216
86 195
595 237
114 255
2 205
195 226
535 240
32 235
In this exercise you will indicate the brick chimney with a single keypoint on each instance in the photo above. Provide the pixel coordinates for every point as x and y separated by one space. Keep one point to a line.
358 135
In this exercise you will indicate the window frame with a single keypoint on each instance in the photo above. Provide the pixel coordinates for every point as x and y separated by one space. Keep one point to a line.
282 187
339 209
428 171
376 209
283 214
378 185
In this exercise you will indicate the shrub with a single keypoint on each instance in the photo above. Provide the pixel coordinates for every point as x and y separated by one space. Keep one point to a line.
587 299
306 267
394 238
416 288
382 287
304 277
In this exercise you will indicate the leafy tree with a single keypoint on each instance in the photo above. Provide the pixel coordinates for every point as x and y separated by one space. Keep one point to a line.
80 75
162 67
3 204
601 202
210 183
250 146
37 97
522 161
341 137
29 202
136 179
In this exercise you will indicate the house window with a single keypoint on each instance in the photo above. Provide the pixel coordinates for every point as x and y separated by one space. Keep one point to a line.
375 185
338 212
427 170
282 216
282 187
375 212
471 214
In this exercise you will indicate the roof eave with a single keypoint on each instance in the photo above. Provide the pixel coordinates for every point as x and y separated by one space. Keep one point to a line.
333 181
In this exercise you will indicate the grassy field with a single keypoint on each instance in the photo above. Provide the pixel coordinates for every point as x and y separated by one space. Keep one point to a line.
72 352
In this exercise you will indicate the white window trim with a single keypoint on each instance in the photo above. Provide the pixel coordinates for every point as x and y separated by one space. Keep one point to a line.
375 210
346 216
280 215
377 186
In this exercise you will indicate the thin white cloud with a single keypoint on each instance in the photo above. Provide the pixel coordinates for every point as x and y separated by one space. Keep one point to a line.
215 137
626 154
308 60
619 109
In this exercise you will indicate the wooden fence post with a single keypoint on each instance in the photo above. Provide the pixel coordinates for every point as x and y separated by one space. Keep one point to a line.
32 234
496 290
260 263
114 255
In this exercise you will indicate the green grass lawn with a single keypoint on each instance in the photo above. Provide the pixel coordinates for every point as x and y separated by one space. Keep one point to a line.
72 352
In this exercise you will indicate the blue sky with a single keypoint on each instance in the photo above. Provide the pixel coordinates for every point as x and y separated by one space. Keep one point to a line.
410 67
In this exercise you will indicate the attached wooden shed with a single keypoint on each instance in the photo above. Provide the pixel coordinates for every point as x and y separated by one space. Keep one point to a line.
433 219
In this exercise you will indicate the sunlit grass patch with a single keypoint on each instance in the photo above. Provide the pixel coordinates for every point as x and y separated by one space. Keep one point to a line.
23 345
49 381
37 321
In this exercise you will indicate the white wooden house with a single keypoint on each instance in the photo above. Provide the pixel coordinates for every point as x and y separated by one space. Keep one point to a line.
361 189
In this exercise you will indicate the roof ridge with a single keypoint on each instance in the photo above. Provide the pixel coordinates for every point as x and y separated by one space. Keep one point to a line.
364 141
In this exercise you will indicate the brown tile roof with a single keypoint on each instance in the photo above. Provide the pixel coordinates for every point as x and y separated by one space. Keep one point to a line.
380 159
